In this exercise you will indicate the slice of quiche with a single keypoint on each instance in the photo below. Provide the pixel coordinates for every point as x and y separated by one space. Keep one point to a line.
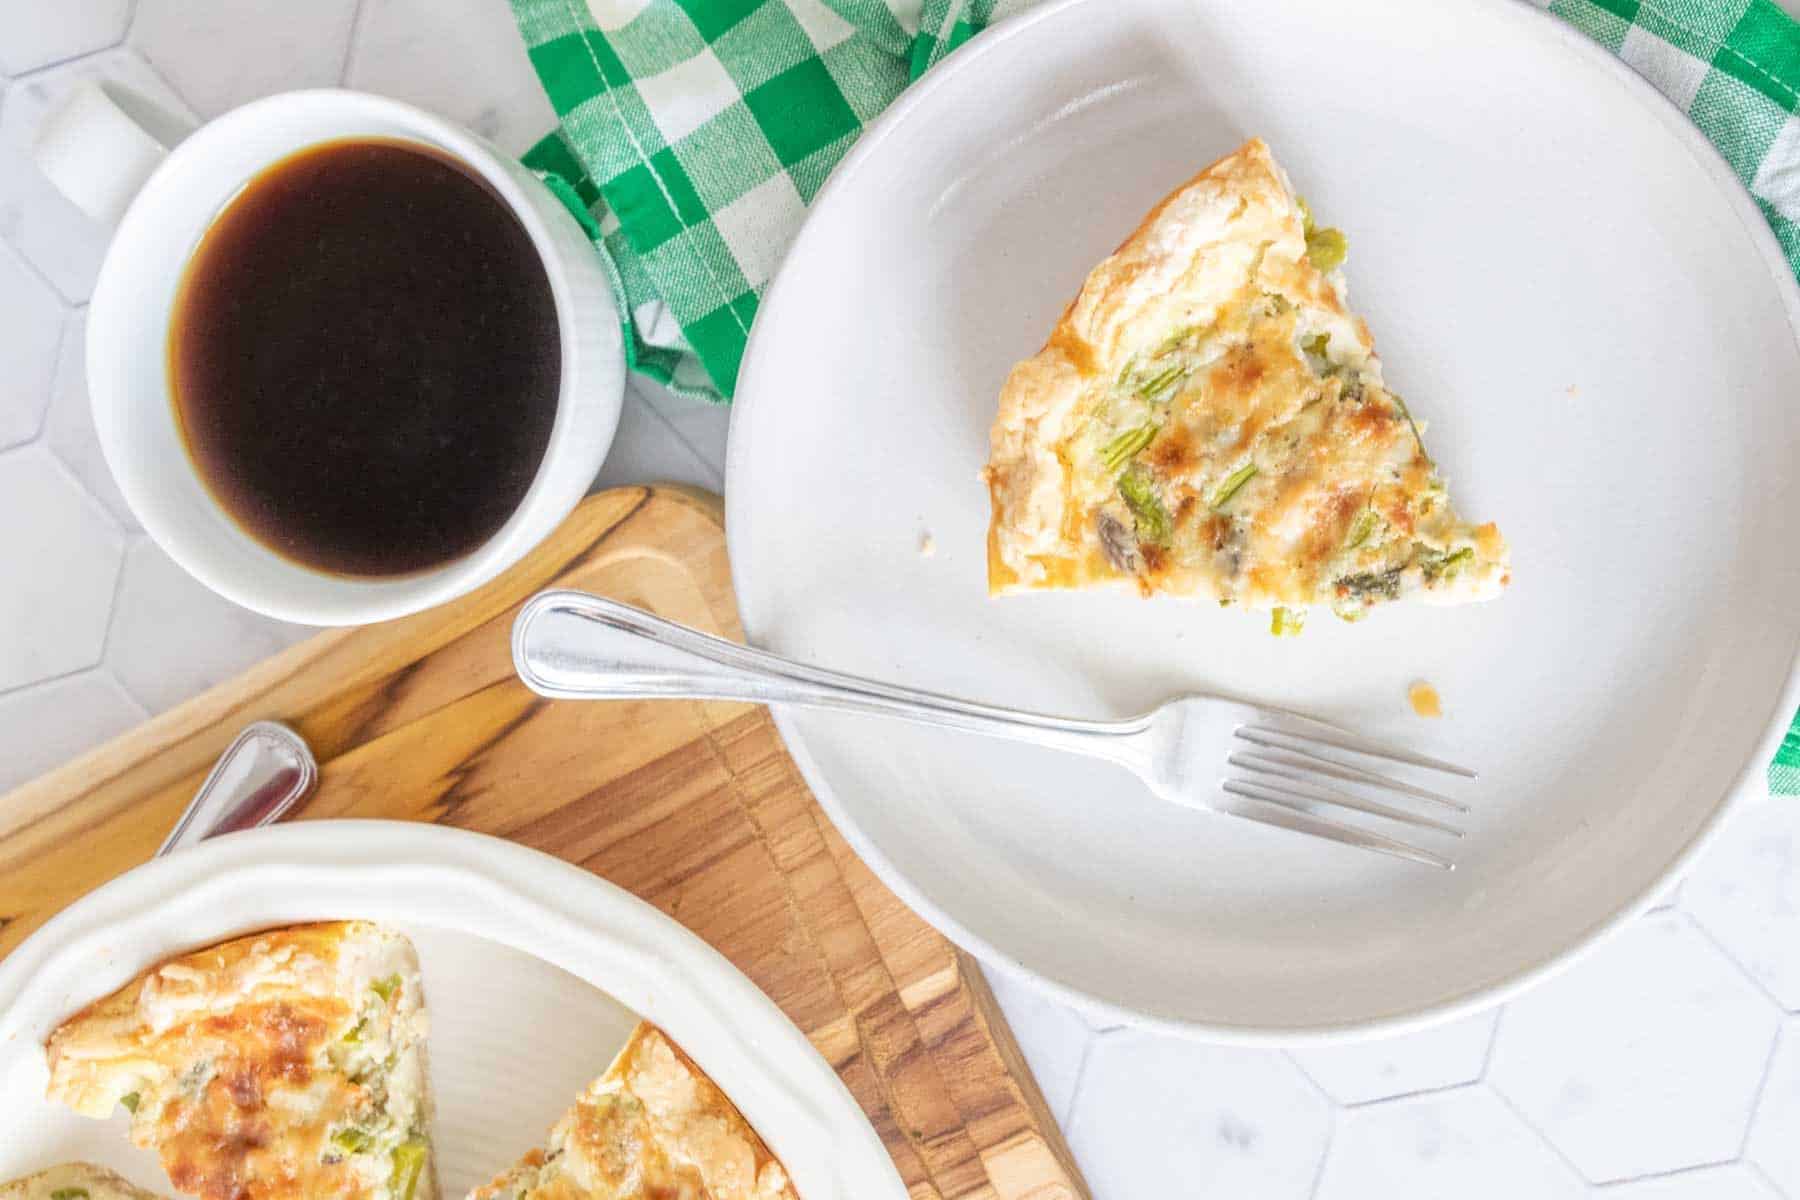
653 1127
1209 419
74 1181
289 1063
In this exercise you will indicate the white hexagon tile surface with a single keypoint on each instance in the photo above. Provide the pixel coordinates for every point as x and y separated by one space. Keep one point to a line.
32 317
1657 1069
219 56
1733 1181
1442 1057
171 638
69 424
1661 1047
1747 895
63 30
1774 1142
62 557
53 722
1465 1143
509 109
1158 1116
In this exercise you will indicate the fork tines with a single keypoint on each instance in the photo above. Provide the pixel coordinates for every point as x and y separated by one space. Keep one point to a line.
1292 782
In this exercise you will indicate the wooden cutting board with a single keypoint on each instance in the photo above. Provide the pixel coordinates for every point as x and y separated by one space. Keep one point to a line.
695 807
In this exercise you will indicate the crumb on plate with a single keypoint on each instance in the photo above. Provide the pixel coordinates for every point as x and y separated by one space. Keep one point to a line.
1424 699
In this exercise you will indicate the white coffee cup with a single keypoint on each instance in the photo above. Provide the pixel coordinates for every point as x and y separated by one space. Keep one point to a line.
163 199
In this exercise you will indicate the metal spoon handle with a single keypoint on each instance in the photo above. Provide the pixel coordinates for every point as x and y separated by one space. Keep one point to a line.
570 645
261 775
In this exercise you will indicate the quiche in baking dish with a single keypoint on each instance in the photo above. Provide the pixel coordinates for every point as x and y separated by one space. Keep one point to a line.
653 1126
289 1063
1209 418
74 1181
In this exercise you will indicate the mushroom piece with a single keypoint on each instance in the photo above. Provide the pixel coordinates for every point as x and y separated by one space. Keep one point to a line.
1118 542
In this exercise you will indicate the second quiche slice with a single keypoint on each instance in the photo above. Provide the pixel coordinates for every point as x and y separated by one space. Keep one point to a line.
1209 419
74 1181
285 1064
653 1127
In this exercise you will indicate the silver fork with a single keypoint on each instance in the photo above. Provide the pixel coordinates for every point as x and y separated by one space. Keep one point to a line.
1262 764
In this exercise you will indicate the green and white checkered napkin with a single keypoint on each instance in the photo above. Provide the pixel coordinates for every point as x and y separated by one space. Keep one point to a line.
694 133
697 132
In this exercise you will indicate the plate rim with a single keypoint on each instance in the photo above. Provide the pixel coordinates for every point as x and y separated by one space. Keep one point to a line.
483 886
739 520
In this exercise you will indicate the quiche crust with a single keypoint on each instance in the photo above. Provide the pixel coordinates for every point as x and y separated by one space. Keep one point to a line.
1208 418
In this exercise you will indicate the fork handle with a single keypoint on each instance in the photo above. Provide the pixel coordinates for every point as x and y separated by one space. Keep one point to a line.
570 645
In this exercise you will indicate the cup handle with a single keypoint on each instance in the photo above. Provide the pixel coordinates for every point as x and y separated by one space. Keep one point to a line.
97 150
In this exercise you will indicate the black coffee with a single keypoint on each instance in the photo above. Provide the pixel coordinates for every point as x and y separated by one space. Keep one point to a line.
365 360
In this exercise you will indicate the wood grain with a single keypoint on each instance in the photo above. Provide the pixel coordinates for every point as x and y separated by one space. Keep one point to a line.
695 807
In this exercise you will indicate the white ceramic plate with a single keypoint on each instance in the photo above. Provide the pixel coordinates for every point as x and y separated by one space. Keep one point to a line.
535 972
1561 275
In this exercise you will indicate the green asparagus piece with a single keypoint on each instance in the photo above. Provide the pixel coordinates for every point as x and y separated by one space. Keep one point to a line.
1139 492
1233 482
1125 446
